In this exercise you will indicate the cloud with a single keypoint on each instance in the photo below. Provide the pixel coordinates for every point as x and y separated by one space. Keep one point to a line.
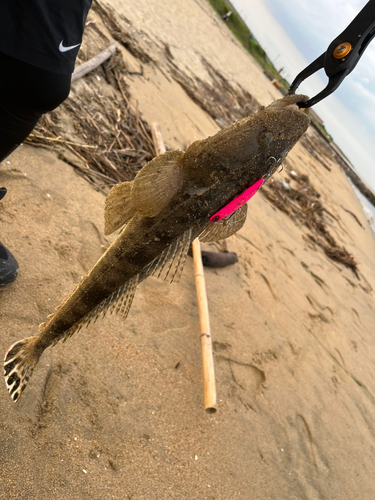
320 18
367 96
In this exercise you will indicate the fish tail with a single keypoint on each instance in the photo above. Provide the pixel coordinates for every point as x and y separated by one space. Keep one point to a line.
19 363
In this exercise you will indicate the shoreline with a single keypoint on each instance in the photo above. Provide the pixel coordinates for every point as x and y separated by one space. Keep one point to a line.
368 208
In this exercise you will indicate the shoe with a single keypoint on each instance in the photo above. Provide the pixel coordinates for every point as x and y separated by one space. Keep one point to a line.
8 264
8 267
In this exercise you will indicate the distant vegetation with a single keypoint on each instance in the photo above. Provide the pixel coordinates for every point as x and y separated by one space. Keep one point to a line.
246 38
321 128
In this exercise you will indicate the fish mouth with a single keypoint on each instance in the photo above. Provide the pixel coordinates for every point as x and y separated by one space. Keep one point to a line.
291 102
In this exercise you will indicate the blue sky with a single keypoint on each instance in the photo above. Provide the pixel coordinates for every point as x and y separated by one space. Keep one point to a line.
294 33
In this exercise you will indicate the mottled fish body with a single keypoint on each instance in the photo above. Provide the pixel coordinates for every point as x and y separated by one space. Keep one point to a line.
168 204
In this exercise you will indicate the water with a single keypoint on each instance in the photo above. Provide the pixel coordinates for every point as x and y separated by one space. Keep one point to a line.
368 208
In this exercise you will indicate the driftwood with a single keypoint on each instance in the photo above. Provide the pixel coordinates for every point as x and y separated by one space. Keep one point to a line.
93 63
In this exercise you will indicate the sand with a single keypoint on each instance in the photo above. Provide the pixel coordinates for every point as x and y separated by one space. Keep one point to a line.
117 411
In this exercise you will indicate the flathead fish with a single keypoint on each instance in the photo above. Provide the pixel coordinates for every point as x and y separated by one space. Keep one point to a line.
171 201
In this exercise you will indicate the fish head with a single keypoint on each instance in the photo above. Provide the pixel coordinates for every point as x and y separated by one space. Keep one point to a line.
283 123
249 149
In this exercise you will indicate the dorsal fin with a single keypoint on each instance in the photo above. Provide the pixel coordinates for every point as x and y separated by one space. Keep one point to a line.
118 207
225 227
157 183
119 302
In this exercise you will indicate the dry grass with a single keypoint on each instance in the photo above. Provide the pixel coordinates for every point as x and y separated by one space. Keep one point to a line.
99 132
302 203
224 101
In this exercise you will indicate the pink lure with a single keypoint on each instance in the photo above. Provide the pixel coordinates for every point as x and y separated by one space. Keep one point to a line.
237 202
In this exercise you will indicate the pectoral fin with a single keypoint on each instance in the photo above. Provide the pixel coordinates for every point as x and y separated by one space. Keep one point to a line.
225 227
119 208
157 183
169 265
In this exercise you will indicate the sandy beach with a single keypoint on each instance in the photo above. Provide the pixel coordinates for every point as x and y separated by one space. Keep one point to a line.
117 411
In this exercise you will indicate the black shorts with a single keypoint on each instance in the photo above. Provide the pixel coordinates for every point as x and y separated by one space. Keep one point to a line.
44 33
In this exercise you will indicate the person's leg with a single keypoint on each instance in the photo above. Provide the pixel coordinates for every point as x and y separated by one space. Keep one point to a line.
26 92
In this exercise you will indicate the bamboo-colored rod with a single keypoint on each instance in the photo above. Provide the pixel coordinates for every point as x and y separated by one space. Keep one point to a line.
209 386
157 139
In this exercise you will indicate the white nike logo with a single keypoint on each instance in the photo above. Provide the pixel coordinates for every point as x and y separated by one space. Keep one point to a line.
65 49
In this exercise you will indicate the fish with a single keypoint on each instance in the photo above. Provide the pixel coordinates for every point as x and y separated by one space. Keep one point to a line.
175 198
